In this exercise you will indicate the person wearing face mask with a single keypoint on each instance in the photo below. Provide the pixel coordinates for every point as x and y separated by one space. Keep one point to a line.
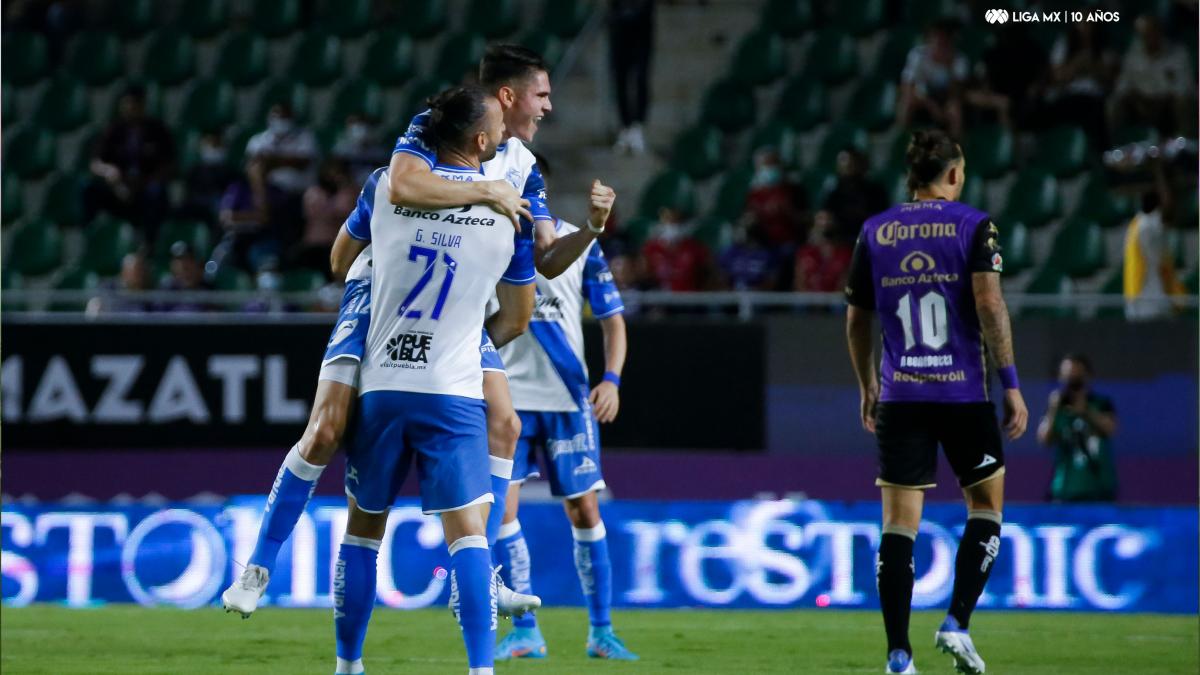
1079 424
287 150
358 145
326 206
674 260
774 202
207 178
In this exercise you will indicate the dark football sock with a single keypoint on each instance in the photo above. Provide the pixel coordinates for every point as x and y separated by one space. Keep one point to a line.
973 565
894 578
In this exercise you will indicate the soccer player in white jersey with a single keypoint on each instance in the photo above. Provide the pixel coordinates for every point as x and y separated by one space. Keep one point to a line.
559 411
421 385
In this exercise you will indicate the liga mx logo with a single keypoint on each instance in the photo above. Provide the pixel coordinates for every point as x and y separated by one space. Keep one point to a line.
996 16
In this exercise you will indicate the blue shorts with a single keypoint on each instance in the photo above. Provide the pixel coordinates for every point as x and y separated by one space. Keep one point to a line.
349 337
446 435
570 445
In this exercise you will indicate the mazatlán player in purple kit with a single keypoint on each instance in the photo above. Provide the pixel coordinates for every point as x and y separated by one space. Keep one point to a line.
931 269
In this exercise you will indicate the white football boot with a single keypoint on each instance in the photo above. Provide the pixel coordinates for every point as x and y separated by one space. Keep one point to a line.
243 595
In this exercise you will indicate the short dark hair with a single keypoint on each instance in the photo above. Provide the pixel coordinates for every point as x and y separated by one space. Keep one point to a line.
456 112
503 63
929 153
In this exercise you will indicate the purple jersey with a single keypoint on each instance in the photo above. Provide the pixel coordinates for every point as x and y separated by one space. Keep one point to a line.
913 264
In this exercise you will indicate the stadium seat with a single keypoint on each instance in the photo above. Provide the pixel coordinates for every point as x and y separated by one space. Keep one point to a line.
492 18
459 56
415 101
1063 151
317 59
1016 247
345 18
778 136
10 280
106 242
889 60
355 96
1032 199
133 18
729 105
1099 203
195 233
208 105
95 58
697 152
832 57
838 137
895 163
975 193
170 58
29 152
1192 281
803 104
241 59
1133 134
548 45
13 195
62 200
637 228
669 189
858 18
297 281
974 41
873 104
236 140
1078 248
565 18
989 151
732 192
63 106
202 19
1176 247
292 93
760 58
924 12
8 104
423 18
789 17
36 248
1050 280
277 18
230 278
25 58
389 59
714 232
1114 284
819 183
73 279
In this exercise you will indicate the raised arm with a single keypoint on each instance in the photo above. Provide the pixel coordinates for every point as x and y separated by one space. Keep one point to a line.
553 254
516 309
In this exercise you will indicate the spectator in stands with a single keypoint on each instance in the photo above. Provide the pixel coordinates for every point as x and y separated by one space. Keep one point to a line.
1157 85
288 153
672 258
854 198
749 263
1079 424
187 274
208 178
932 81
630 45
327 204
1149 271
774 202
251 216
134 276
823 262
132 163
1008 77
1082 68
360 146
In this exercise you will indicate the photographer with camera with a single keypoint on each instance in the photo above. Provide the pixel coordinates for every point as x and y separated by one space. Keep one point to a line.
1080 423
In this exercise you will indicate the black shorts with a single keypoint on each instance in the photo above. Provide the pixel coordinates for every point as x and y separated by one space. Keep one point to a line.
909 435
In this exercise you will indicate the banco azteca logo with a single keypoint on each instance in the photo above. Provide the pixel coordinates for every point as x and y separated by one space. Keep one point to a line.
996 16
917 261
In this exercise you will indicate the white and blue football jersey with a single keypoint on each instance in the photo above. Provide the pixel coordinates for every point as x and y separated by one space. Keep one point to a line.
546 367
432 275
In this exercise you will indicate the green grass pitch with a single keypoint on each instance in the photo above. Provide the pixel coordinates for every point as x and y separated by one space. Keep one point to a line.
126 639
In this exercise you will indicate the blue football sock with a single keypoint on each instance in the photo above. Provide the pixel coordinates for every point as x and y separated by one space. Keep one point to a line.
353 599
472 597
512 554
294 484
501 476
595 572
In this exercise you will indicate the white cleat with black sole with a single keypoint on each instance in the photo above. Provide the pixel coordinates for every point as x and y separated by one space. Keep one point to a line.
243 595
510 602
958 644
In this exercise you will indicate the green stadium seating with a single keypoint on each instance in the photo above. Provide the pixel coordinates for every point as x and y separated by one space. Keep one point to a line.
292 93
10 280
669 189
697 152
839 136
133 18
154 99
889 60
858 18
974 41
73 279
195 233
8 104
424 18
13 195
779 136
832 57
29 152
1033 199
1176 247
894 163
25 58
1125 135
230 278
208 105
241 59
277 18
418 93
236 140
355 96
63 106
1050 280
345 18
35 249
106 243
170 58
1078 248
637 229
989 151
492 18
203 19
459 56
923 12
714 232
732 192
548 45
729 105
760 58
819 183
789 17
1114 284
296 281
974 193
317 60
1062 151
565 18
1192 281
1187 209
62 200
95 58
389 59
1016 247
873 104
1099 203
803 104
